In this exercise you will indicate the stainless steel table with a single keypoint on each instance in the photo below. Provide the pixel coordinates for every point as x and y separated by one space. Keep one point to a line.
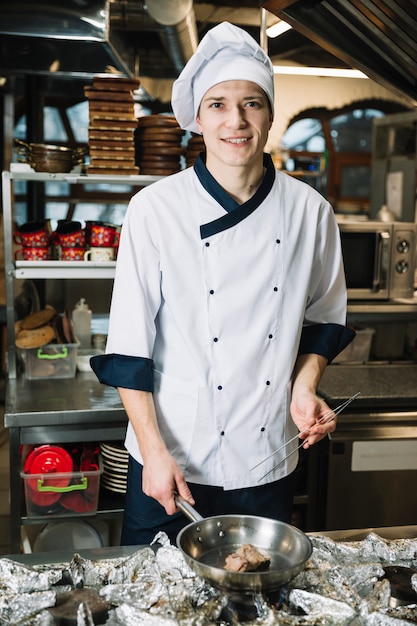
76 409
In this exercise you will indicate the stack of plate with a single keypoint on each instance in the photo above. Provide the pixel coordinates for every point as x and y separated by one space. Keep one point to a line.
158 145
111 125
195 145
115 460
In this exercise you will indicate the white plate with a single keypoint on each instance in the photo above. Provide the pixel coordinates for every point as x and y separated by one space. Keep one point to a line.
111 480
114 447
111 469
115 453
116 489
69 535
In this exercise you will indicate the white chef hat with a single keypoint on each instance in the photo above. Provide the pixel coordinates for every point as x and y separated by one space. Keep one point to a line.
226 52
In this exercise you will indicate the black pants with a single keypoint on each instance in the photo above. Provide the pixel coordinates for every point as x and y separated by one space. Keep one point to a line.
144 516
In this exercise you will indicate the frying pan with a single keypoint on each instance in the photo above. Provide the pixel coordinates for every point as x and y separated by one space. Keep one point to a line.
206 542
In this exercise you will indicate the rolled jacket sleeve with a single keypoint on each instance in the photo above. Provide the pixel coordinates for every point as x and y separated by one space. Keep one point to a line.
128 372
325 339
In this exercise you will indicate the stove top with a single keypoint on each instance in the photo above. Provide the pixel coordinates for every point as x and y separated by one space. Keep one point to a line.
344 583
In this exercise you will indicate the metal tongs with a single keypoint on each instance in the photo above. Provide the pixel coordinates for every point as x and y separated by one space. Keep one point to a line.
325 419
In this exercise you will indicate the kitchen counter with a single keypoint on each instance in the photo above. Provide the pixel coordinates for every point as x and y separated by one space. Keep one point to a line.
65 401
381 386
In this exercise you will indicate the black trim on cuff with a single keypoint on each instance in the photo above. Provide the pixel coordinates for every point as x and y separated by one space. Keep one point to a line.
325 339
120 370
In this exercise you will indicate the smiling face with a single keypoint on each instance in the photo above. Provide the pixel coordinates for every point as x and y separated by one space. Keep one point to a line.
234 118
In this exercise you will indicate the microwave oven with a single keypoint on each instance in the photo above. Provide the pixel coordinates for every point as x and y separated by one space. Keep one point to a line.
379 259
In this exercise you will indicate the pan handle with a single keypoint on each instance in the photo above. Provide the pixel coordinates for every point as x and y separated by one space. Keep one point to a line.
187 509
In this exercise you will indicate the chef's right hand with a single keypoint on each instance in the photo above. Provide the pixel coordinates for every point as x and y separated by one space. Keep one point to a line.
161 478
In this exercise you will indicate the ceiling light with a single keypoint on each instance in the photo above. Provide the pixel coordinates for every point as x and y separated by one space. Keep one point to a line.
277 29
296 70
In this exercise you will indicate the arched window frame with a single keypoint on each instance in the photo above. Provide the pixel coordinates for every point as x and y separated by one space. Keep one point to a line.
329 183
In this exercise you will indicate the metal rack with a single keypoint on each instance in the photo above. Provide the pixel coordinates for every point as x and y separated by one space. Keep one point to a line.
54 411
48 269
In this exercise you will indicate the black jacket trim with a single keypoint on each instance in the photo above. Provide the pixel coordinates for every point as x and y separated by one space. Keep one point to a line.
325 339
235 212
119 370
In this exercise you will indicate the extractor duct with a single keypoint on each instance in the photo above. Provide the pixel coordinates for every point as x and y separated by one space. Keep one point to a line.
378 37
86 37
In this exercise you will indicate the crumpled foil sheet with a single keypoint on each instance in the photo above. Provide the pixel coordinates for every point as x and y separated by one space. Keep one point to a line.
341 585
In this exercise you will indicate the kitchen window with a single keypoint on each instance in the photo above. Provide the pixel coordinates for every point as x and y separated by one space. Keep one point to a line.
332 151
68 125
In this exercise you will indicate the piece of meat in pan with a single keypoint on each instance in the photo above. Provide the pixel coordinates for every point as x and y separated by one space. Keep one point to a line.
247 558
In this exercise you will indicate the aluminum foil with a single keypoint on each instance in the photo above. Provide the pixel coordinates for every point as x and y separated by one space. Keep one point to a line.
341 585
14 608
319 606
17 578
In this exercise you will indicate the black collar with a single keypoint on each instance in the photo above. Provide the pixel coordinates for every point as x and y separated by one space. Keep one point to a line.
235 212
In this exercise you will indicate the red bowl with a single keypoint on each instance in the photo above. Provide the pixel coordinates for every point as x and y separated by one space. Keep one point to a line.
46 462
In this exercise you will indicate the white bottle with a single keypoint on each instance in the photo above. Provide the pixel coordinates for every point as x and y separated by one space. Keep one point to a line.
81 320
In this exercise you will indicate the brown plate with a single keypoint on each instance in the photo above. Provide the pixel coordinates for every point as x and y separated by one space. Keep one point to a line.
109 136
112 152
36 338
113 124
131 171
40 318
172 151
103 105
158 160
159 130
152 171
114 115
158 120
115 82
95 94
113 162
155 143
96 144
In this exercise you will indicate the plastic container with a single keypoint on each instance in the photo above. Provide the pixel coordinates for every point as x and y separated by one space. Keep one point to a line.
74 493
359 349
83 359
81 320
50 361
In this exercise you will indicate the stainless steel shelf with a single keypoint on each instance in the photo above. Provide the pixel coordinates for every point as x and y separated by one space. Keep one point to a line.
64 269
78 178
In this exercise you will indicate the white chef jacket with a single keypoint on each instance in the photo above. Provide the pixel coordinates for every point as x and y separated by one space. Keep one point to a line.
210 299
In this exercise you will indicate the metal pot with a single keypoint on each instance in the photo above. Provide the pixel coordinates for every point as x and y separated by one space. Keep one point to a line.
206 543
49 158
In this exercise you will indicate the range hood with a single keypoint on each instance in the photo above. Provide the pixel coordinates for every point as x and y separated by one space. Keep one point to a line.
378 37
80 38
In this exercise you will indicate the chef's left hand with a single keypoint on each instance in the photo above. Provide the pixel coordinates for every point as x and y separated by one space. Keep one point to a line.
306 410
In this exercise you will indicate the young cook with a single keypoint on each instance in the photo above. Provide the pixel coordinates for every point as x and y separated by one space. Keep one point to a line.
229 300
